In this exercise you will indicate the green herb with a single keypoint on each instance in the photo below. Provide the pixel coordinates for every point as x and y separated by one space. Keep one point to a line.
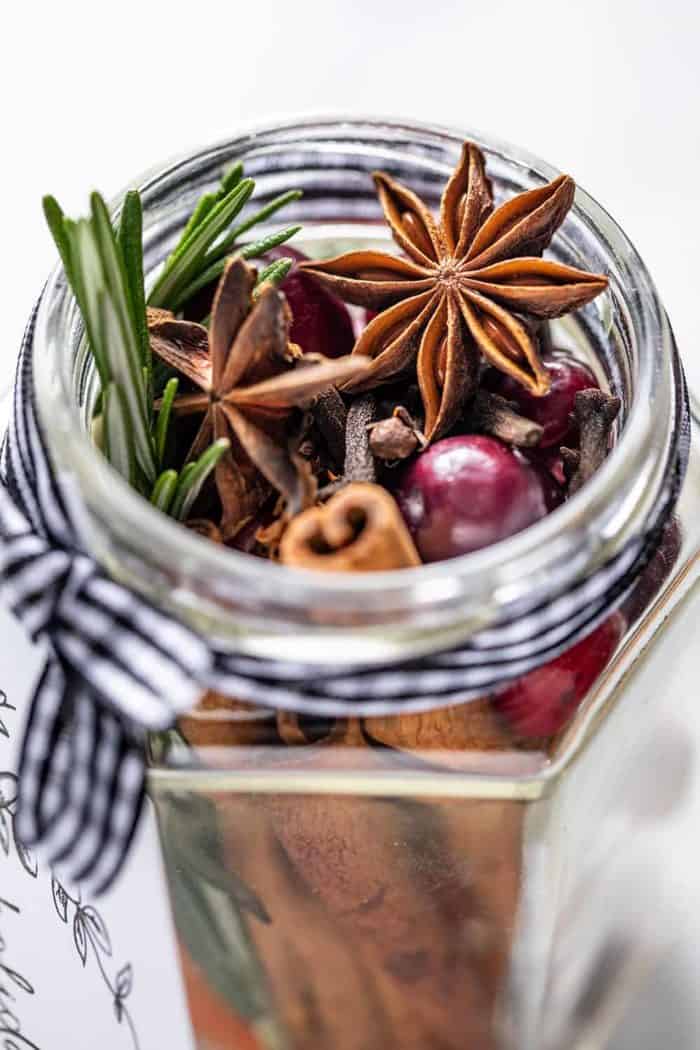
117 442
130 239
193 477
248 251
200 255
228 245
231 178
164 490
164 415
104 268
189 257
214 907
274 273
202 208
97 270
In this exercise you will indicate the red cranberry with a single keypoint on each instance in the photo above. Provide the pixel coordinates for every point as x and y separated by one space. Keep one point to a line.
541 703
467 492
549 461
552 411
321 322
554 491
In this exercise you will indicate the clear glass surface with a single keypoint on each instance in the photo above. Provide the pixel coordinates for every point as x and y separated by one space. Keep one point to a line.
272 610
393 883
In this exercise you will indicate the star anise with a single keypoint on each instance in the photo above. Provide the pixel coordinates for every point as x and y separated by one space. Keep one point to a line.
471 284
250 378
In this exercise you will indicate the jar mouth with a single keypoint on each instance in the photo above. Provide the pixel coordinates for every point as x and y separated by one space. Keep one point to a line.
450 597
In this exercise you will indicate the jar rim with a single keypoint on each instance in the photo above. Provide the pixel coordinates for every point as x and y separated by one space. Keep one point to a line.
586 531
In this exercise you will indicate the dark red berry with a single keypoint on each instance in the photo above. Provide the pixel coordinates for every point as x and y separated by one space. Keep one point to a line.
549 461
321 322
468 492
541 703
553 411
554 492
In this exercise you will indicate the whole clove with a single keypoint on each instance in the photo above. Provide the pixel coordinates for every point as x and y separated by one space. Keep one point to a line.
359 462
594 413
330 415
397 437
570 460
494 415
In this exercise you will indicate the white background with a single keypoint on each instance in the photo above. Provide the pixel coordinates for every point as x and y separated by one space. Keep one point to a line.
91 95
605 89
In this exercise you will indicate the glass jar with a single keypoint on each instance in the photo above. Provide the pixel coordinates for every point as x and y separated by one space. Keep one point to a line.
405 880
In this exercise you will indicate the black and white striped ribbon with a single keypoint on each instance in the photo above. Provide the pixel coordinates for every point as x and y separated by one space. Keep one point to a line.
118 667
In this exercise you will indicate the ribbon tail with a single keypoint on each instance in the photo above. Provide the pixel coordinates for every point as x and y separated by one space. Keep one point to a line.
81 782
117 795
124 806
62 829
37 788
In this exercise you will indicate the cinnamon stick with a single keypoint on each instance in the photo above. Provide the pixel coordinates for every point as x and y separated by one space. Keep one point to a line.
389 919
472 726
360 529
494 415
220 721
374 915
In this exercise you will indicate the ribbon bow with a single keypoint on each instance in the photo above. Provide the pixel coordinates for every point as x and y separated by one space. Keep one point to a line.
116 666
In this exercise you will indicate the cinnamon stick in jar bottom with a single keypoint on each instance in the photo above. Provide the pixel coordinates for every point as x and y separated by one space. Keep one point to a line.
385 922
390 920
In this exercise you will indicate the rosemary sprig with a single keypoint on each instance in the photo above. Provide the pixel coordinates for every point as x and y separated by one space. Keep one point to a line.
200 255
188 258
229 181
104 268
193 476
117 442
274 273
164 490
248 251
98 273
175 493
229 243
130 238
164 416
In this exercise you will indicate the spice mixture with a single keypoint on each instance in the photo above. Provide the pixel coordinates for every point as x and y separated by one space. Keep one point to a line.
248 405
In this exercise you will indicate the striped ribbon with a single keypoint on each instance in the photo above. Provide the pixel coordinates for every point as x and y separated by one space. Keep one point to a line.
117 666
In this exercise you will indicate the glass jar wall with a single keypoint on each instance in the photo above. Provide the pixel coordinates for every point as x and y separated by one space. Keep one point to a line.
410 880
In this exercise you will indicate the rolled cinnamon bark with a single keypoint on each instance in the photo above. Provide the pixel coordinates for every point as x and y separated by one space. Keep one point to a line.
360 529
472 726
220 721
380 933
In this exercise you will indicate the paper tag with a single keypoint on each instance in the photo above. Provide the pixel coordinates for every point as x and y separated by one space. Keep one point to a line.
76 972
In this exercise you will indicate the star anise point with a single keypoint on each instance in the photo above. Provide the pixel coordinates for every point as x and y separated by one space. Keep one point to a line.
250 380
471 285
